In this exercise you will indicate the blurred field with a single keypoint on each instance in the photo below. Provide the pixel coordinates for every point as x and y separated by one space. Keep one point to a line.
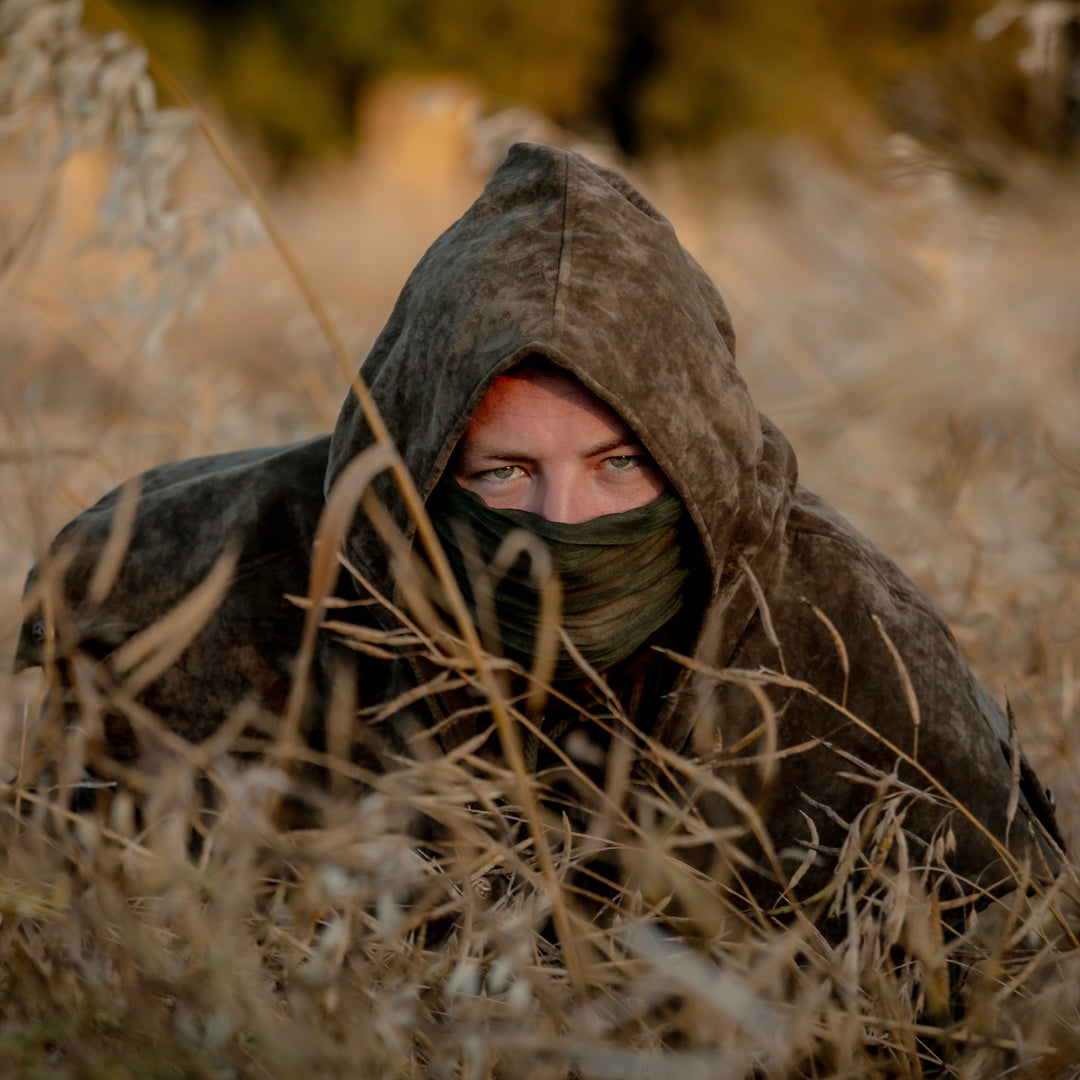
916 341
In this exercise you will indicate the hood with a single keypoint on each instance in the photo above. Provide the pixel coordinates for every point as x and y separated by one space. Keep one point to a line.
564 259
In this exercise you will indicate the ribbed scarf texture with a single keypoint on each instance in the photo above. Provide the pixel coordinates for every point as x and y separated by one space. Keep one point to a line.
622 575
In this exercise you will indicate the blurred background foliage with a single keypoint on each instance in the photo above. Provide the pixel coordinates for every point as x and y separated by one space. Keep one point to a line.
648 75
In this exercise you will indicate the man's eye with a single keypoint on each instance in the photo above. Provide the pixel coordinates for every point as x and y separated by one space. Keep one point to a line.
504 472
625 461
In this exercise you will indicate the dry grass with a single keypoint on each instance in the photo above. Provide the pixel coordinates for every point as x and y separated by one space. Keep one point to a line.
916 343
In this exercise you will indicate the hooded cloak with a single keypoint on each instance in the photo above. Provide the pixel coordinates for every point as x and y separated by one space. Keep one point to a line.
563 261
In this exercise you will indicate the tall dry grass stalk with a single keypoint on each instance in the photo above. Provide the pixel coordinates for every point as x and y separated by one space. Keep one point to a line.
462 916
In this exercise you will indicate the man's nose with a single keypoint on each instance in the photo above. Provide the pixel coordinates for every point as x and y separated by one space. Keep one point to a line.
561 498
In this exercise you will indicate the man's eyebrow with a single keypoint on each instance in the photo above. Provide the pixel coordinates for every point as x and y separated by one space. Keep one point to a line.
478 450
616 444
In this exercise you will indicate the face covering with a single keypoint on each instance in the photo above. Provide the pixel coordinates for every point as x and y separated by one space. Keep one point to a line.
622 575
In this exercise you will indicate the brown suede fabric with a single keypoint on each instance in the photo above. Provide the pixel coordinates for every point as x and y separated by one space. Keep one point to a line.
267 501
564 260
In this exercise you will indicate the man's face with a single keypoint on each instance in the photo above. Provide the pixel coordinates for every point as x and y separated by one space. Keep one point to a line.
541 442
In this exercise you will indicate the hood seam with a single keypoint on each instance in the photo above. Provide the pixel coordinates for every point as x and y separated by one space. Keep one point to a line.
563 239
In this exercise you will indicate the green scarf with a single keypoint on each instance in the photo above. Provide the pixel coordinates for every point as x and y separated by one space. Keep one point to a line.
621 575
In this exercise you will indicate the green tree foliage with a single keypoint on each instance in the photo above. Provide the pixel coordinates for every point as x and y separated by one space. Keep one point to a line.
551 55
651 73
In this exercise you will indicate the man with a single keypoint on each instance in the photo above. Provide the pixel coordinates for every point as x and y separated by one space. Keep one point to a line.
558 366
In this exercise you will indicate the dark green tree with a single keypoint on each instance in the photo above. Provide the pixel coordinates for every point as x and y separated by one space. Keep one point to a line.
652 73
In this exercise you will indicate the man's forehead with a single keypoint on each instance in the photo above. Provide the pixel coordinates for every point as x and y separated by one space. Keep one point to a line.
536 393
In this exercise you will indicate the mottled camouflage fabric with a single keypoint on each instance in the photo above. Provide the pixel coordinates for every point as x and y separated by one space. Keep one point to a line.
564 261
